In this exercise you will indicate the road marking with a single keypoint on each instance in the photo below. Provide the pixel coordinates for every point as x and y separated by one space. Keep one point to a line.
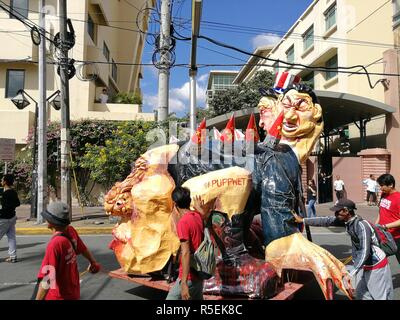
18 284
49 235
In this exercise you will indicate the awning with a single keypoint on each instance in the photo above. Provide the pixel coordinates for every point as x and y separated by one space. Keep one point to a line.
339 109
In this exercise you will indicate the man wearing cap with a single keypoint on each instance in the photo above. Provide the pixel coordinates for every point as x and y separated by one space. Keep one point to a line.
374 278
58 275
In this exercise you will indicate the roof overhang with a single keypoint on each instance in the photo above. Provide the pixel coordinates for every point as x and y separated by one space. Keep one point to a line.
339 109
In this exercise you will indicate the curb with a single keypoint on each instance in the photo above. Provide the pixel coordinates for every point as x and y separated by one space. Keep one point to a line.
80 230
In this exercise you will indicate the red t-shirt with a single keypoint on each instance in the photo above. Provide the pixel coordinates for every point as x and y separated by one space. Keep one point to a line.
389 211
59 263
190 228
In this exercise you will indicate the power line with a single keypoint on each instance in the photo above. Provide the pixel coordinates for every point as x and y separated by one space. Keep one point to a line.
217 26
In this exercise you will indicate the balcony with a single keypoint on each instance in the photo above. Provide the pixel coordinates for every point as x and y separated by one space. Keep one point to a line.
104 10
118 112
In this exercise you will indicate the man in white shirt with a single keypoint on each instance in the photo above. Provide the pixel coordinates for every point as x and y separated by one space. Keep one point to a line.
371 189
338 185
103 96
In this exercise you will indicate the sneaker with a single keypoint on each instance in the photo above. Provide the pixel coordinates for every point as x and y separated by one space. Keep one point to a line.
12 259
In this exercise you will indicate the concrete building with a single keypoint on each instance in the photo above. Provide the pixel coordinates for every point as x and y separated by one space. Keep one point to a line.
219 80
106 33
344 33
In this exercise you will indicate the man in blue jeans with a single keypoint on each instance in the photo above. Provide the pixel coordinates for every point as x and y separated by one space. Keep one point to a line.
8 218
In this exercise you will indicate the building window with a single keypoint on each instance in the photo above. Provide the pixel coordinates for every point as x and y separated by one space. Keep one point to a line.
20 8
331 63
91 28
309 79
106 52
15 81
114 71
290 55
396 13
330 17
308 38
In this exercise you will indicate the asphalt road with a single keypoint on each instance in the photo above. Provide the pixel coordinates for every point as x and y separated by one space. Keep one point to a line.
17 280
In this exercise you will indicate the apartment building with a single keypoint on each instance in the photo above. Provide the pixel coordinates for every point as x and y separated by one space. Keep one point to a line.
344 33
106 33
340 33
219 80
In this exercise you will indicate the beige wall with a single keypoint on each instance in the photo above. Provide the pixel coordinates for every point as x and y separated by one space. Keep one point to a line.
124 46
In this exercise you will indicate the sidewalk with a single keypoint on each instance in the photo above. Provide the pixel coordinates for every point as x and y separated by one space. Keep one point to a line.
93 220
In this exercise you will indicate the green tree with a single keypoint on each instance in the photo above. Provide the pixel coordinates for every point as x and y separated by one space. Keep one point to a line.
113 161
244 96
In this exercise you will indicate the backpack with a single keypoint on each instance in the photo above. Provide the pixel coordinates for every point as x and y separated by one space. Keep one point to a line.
203 261
385 239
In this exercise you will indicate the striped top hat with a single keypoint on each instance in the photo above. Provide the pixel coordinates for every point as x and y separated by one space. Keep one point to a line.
284 80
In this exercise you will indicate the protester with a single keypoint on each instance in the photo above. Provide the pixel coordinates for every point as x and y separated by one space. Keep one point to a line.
103 96
190 232
58 275
389 208
338 185
8 218
324 183
371 190
374 278
311 198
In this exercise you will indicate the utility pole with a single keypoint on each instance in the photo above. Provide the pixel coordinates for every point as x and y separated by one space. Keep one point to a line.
42 132
163 71
65 118
196 17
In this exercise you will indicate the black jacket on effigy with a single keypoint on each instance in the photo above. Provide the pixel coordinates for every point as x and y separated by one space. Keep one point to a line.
276 182
9 202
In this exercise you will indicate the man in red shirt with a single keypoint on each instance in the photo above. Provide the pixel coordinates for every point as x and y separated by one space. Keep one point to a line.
58 275
190 231
389 208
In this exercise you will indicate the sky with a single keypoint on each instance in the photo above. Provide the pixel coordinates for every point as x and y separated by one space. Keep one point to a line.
251 23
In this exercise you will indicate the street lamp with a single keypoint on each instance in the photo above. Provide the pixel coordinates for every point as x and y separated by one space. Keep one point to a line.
21 102
55 100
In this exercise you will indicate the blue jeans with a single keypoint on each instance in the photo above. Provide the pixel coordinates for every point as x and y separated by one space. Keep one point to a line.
195 290
7 227
311 212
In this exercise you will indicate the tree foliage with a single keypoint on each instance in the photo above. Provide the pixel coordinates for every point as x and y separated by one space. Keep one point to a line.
113 160
101 151
245 95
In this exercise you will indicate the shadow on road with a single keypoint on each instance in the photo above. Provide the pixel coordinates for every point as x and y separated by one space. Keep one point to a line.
24 246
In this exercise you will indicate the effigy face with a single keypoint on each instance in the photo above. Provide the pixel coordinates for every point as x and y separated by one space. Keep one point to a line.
145 242
302 124
268 112
301 114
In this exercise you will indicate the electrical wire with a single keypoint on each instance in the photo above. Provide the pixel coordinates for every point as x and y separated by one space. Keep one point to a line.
218 43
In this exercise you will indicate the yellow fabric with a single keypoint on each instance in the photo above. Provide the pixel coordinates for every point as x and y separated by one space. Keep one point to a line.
230 186
296 252
148 237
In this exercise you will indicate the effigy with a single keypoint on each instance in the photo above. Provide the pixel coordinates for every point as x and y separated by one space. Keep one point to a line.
267 184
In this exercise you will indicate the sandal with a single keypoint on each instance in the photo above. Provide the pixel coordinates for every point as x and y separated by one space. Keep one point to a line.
11 259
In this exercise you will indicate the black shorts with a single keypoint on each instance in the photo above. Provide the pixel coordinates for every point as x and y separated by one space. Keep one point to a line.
371 194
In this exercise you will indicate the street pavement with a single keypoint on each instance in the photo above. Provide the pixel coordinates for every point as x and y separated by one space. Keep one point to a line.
87 220
17 280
